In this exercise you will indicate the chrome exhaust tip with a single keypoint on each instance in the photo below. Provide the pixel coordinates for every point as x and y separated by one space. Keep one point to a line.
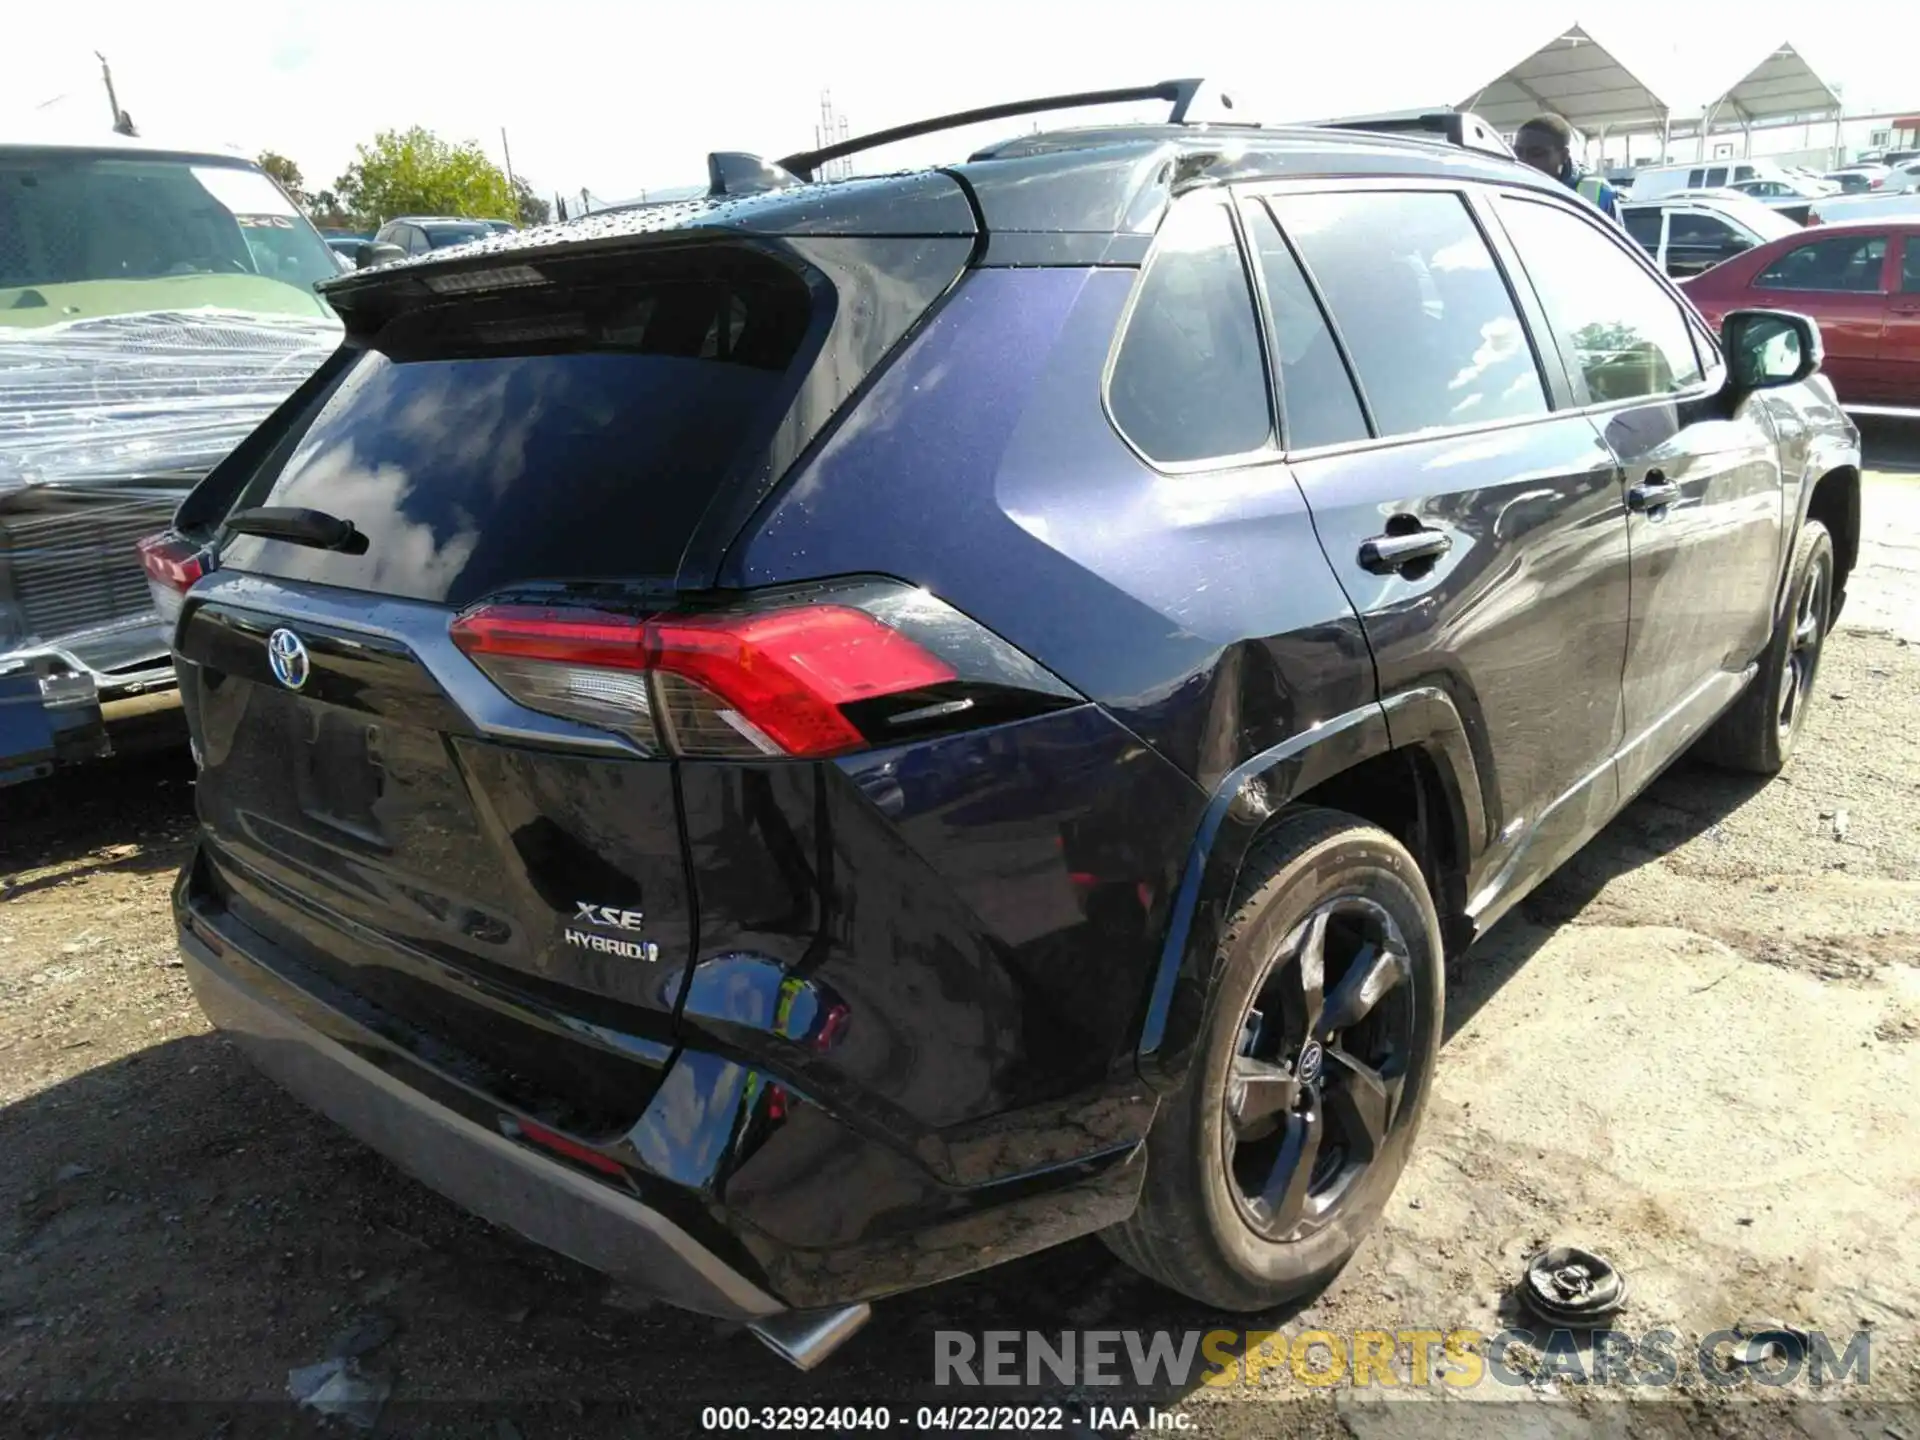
803 1338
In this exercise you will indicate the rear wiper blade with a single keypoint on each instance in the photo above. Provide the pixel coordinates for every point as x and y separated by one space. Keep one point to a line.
299 526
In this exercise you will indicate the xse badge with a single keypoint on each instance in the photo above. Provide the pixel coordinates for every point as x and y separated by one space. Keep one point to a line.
609 917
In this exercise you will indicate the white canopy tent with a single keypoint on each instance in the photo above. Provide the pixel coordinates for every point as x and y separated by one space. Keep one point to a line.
1781 87
1580 80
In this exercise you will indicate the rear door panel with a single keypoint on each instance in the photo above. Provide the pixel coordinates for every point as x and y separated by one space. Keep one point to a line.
1900 347
1522 619
1852 327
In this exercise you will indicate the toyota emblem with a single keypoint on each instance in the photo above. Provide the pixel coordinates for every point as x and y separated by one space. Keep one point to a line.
288 657
1310 1059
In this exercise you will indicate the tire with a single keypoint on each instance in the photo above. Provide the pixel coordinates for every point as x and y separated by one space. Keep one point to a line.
1760 730
1198 1228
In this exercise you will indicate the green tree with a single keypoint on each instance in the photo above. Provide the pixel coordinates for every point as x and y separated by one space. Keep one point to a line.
534 209
287 173
325 210
415 172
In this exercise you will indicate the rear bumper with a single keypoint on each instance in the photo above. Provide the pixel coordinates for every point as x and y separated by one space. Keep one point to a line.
331 1070
734 1193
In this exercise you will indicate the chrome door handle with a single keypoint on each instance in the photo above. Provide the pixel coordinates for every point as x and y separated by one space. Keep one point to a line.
1389 554
1655 492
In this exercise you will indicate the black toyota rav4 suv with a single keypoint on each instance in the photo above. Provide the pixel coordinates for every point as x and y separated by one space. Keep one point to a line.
798 744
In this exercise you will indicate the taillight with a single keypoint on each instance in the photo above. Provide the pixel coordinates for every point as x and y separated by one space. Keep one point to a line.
172 565
838 671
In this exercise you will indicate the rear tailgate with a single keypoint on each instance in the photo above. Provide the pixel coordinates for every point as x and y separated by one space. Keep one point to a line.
510 883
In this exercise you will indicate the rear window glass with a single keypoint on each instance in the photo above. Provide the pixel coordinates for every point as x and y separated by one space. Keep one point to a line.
440 236
544 434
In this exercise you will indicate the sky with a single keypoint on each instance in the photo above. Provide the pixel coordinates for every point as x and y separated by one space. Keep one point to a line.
620 98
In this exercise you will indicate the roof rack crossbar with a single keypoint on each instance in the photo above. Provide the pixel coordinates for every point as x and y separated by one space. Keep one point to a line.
1179 93
1456 127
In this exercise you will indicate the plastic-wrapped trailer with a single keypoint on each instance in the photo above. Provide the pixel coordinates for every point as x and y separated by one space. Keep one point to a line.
155 306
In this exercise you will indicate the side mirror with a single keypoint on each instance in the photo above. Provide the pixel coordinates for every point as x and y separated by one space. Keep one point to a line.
378 252
1769 348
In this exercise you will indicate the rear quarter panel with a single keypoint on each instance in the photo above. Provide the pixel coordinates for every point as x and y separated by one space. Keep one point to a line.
1196 609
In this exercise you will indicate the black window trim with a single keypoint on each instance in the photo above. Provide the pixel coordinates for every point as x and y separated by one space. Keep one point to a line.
1268 452
1264 303
1554 381
1712 375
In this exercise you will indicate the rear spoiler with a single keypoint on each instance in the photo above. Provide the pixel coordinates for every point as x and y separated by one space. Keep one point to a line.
1455 127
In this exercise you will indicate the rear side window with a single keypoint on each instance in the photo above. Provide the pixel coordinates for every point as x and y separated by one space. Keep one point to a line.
1317 402
1644 226
1910 266
1424 312
1692 228
1625 336
554 433
1696 178
1842 262
441 236
1188 382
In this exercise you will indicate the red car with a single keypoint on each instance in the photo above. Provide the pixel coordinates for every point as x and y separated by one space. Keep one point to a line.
1860 280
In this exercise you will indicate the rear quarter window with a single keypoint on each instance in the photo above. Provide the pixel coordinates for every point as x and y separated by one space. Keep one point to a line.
1188 382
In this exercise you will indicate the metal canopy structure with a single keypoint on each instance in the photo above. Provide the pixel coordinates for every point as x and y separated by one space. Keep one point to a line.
1576 78
1783 84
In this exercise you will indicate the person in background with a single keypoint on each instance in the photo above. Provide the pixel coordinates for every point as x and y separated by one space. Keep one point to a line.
1546 143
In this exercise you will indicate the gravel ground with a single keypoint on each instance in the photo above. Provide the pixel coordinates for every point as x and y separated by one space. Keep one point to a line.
1695 1049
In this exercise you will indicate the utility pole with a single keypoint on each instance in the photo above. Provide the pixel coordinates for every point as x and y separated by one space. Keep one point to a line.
510 185
122 122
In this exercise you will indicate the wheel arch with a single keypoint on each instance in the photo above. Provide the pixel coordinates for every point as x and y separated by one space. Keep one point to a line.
1834 500
1405 765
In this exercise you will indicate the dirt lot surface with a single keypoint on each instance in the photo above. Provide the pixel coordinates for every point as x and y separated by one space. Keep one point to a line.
1697 1049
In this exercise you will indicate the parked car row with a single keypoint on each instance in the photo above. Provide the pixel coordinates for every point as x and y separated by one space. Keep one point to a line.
155 305
1859 280
1689 232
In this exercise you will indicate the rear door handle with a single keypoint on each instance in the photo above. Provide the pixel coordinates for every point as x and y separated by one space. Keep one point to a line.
1390 554
1653 493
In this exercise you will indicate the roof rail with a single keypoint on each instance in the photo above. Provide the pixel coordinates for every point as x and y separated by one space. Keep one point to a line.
1456 127
1179 93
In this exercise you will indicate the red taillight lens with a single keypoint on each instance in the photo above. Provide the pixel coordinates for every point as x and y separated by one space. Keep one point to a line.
758 683
172 565
171 561
788 672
